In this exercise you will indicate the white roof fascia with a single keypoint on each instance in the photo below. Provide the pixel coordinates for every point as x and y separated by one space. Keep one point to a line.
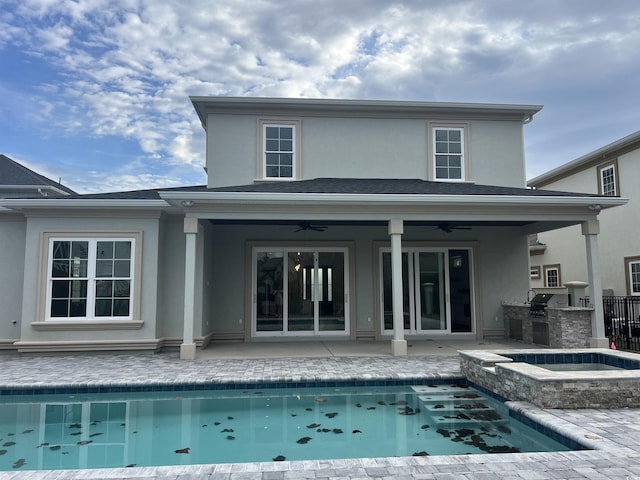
48 202
204 105
254 197
33 187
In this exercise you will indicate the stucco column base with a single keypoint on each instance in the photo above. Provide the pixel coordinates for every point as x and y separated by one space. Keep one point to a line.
188 351
599 342
399 348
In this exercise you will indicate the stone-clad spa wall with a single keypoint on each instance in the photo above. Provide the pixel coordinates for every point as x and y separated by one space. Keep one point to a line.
520 381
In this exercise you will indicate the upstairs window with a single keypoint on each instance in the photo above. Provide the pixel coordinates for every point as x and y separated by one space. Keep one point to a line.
551 275
449 158
608 180
279 150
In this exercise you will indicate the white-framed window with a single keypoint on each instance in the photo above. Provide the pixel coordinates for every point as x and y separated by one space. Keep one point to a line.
535 272
90 278
551 275
608 180
449 152
279 150
632 265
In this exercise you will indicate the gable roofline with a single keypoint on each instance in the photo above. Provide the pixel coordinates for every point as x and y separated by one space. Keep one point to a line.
603 154
15 176
360 108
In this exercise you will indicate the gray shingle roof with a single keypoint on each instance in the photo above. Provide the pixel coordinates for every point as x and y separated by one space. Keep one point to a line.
363 186
390 186
13 173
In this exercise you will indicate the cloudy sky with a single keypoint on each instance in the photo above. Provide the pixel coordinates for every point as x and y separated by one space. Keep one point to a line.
96 91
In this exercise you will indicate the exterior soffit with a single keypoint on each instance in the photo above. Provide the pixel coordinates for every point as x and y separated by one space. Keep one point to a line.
359 108
384 212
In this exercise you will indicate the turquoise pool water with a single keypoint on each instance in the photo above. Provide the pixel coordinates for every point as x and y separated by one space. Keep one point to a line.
232 426
577 367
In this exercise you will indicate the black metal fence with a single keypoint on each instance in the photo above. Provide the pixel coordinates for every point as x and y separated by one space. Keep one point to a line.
622 321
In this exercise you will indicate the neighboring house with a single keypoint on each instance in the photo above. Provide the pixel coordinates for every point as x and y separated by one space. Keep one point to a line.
559 256
17 181
322 219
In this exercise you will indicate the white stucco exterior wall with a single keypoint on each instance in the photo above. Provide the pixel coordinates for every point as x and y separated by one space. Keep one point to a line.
35 262
12 238
364 148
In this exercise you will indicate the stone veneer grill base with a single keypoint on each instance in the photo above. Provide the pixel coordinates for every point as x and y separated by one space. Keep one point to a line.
506 374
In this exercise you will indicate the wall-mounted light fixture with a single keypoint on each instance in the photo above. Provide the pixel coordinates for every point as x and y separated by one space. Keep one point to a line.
595 207
187 203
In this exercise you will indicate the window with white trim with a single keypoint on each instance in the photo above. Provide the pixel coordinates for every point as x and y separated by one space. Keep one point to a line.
633 275
90 278
449 153
608 180
535 272
551 275
279 150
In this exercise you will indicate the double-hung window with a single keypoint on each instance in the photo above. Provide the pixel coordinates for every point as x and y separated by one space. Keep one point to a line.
551 275
279 150
608 180
449 160
632 265
90 278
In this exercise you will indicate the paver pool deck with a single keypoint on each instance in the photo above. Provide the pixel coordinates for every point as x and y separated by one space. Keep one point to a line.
614 434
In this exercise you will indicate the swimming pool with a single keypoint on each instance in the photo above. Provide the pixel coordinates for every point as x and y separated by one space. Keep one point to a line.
95 430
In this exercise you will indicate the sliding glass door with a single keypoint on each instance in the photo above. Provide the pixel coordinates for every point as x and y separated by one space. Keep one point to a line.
436 289
300 291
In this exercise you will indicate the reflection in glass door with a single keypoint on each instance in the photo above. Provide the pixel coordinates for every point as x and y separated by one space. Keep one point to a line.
429 277
314 300
430 291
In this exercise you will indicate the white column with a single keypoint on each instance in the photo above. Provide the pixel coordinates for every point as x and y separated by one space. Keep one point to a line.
590 230
188 347
398 344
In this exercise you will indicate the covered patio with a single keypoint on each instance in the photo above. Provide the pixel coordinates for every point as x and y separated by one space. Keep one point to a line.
385 232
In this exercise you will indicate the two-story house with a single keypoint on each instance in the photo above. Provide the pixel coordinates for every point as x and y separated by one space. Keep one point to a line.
559 256
331 219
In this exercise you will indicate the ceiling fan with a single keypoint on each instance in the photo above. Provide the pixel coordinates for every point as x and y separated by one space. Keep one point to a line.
305 226
448 227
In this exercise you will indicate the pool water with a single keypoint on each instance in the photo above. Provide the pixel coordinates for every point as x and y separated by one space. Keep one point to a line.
233 426
577 367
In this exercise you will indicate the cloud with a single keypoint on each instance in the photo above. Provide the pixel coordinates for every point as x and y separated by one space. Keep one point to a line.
125 68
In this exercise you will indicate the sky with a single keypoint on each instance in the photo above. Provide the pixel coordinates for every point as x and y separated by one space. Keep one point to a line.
96 92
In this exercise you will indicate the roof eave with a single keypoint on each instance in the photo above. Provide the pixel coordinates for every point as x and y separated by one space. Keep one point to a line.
80 203
37 188
597 203
585 160
204 105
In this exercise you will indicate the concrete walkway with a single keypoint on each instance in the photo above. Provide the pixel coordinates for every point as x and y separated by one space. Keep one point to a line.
615 435
360 348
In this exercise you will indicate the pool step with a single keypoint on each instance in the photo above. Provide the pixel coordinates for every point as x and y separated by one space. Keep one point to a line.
457 407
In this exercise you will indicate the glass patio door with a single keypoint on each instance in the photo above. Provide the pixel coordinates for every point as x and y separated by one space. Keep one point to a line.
300 291
436 288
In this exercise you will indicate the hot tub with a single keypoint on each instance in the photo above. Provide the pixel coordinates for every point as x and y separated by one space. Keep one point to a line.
557 378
